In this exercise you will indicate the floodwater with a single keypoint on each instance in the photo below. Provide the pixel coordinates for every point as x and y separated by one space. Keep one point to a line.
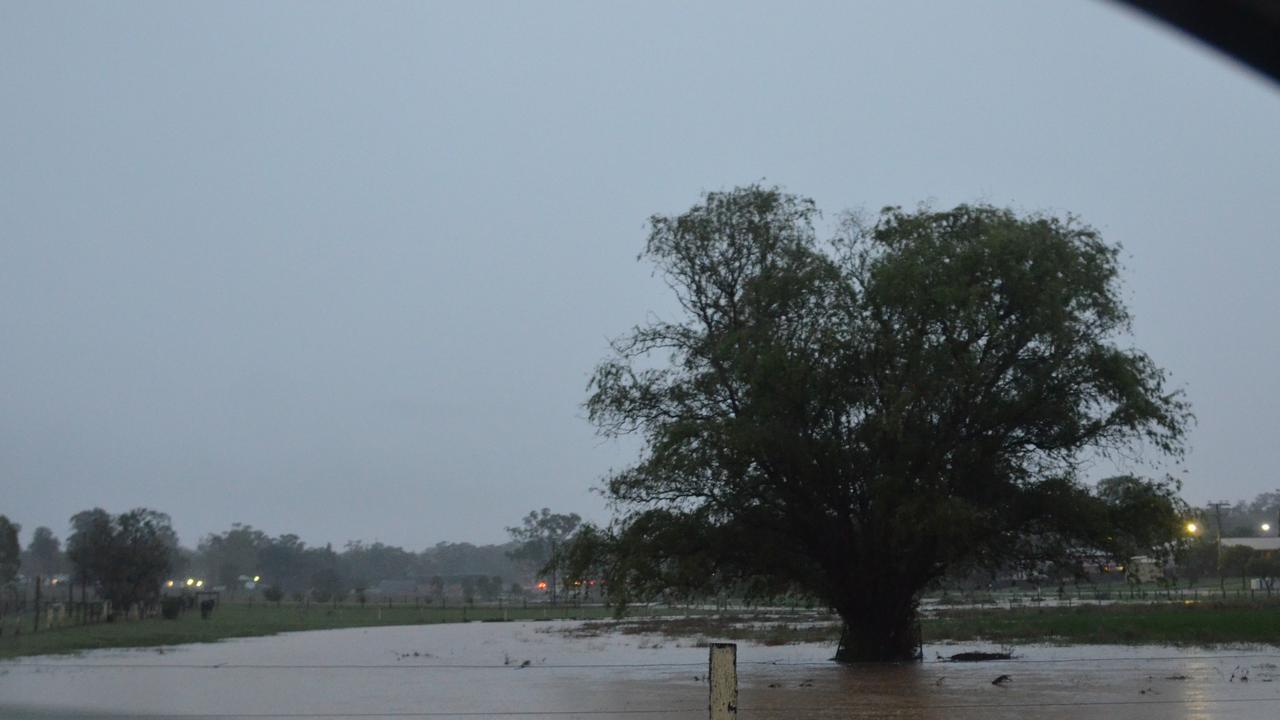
536 670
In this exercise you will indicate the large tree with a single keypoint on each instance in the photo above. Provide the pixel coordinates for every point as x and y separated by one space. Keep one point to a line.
540 539
227 556
44 552
851 418
127 556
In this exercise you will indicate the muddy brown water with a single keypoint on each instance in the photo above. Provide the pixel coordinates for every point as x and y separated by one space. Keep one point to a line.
536 670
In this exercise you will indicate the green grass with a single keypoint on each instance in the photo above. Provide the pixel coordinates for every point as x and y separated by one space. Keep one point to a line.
1192 623
1189 624
233 620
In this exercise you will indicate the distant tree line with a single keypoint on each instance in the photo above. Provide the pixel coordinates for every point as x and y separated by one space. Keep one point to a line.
130 558
296 569
1243 519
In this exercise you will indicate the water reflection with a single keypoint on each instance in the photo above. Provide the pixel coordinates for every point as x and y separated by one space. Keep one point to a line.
534 668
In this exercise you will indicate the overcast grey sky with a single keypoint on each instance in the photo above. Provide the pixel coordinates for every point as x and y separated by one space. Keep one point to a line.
344 269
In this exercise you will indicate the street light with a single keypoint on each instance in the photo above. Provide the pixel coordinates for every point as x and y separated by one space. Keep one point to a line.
1266 527
1192 528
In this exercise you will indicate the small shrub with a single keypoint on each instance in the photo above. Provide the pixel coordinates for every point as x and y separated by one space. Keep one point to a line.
171 607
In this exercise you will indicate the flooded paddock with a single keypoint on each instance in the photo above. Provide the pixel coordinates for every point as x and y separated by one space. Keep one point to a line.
536 670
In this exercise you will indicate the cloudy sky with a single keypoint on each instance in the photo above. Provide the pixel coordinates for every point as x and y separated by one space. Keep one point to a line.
344 269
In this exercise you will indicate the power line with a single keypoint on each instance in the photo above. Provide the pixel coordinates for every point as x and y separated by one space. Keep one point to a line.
430 713
238 666
791 710
584 666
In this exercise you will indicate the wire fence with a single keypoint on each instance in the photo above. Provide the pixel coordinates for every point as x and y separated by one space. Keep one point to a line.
881 707
746 710
513 666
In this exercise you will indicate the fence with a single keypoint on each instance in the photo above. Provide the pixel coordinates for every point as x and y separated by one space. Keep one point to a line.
720 700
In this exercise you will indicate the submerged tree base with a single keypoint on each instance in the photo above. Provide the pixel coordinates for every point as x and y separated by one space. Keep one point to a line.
880 643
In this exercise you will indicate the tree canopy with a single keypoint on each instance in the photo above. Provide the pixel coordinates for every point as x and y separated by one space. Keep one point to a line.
10 550
851 418
127 556
44 552
540 536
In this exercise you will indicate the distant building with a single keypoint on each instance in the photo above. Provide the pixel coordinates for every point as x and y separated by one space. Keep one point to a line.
1260 544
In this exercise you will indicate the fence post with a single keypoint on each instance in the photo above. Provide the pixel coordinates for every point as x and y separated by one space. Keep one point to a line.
723 676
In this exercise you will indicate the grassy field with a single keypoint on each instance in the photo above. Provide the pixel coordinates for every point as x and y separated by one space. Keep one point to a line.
1190 623
1184 624
239 620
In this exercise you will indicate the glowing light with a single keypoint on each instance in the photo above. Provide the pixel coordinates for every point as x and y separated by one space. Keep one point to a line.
169 584
1266 527
199 583
1191 528
191 581
256 578
542 584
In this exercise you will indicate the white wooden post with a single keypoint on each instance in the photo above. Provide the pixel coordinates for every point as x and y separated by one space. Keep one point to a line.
723 676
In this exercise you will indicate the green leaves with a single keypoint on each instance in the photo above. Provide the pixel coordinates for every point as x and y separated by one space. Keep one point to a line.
127 555
10 550
914 394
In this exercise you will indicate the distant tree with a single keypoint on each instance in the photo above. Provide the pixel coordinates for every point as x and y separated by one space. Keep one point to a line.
1265 567
437 587
232 554
455 559
128 556
10 550
273 593
92 544
326 582
1266 509
1198 559
586 555
540 537
44 552
483 588
283 562
180 561
1236 560
849 419
375 562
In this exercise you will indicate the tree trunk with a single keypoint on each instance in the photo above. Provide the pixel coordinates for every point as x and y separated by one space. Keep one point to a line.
879 629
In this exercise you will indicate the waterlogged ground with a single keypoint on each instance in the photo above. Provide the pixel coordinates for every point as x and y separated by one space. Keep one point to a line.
547 669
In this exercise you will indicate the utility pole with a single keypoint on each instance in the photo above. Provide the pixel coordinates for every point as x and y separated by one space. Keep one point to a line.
1217 514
